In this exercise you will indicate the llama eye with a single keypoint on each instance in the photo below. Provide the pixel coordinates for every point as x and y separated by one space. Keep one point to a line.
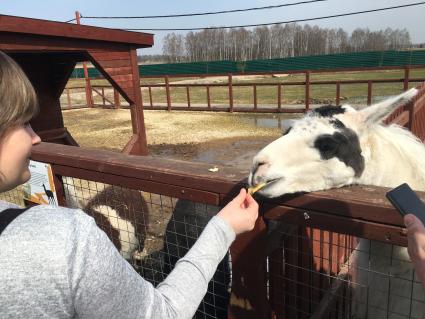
326 145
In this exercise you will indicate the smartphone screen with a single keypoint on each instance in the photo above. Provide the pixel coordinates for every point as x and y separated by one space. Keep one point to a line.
405 200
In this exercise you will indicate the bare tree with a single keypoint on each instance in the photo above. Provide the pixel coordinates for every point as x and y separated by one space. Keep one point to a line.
279 41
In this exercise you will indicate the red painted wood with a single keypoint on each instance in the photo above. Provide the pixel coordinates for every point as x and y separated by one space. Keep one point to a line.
307 90
369 92
208 97
406 78
167 92
117 101
20 25
230 83
255 96
338 93
113 63
118 71
150 96
188 96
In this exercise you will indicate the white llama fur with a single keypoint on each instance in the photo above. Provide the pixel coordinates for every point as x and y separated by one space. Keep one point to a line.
78 197
391 154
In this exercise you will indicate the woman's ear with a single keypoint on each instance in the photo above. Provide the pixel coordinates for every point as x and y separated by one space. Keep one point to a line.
377 112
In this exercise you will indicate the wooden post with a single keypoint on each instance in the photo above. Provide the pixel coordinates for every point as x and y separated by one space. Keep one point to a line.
406 78
255 96
307 90
279 97
208 97
188 96
59 189
117 99
167 92
89 97
68 98
140 130
338 93
150 96
369 92
230 83
103 96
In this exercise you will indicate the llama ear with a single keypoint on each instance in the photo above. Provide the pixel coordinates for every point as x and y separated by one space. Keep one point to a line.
287 124
377 112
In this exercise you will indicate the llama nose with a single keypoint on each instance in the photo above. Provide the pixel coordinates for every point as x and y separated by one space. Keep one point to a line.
259 171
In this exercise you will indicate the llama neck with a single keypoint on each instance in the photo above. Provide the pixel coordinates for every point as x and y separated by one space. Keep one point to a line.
392 156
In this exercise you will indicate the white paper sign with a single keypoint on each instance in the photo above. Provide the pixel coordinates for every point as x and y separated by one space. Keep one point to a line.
40 188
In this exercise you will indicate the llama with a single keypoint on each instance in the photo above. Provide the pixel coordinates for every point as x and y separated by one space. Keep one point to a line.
121 213
336 146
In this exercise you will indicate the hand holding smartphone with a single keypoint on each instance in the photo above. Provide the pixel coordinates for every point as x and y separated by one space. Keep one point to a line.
405 200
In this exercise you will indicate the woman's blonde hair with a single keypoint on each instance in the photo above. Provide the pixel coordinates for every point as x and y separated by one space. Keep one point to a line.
18 101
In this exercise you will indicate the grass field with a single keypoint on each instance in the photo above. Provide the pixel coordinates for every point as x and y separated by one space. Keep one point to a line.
266 95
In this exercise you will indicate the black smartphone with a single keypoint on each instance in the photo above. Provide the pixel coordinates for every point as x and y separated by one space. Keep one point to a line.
405 200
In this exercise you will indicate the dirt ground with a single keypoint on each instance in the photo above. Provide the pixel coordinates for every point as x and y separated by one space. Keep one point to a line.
216 138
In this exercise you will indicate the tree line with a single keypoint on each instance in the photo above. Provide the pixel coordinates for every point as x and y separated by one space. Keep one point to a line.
278 41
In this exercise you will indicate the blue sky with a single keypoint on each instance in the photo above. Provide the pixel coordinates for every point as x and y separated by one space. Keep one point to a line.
410 18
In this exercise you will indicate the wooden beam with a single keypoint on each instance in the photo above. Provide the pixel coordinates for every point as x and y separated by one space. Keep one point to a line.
20 25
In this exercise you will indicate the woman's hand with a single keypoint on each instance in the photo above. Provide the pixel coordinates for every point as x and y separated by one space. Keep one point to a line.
241 213
416 244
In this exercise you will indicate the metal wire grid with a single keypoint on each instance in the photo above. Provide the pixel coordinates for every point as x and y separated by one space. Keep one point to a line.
317 274
159 230
15 196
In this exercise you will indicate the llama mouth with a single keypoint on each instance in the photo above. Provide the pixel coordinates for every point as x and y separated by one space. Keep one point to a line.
268 184
272 181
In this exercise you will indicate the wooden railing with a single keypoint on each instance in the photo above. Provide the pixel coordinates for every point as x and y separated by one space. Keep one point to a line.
358 211
150 104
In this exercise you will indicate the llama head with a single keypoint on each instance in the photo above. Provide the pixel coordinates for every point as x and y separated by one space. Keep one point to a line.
320 151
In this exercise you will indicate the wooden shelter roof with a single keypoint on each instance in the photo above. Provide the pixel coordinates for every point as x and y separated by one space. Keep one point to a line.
46 29
48 51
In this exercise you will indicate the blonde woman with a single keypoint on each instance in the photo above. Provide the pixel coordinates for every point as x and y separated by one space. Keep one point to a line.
56 263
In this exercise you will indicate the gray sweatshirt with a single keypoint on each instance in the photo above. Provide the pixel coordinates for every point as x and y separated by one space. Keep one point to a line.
56 263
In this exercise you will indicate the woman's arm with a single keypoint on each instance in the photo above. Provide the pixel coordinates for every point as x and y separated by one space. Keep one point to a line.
103 284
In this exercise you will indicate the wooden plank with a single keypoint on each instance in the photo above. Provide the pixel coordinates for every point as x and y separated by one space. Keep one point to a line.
369 92
357 227
136 107
115 63
358 210
139 184
208 97
230 83
249 291
110 56
279 96
117 101
254 87
118 71
307 90
68 30
28 42
222 109
123 78
187 95
402 119
167 92
338 93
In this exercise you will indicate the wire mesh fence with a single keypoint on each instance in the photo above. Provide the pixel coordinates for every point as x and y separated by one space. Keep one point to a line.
320 274
14 196
152 232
